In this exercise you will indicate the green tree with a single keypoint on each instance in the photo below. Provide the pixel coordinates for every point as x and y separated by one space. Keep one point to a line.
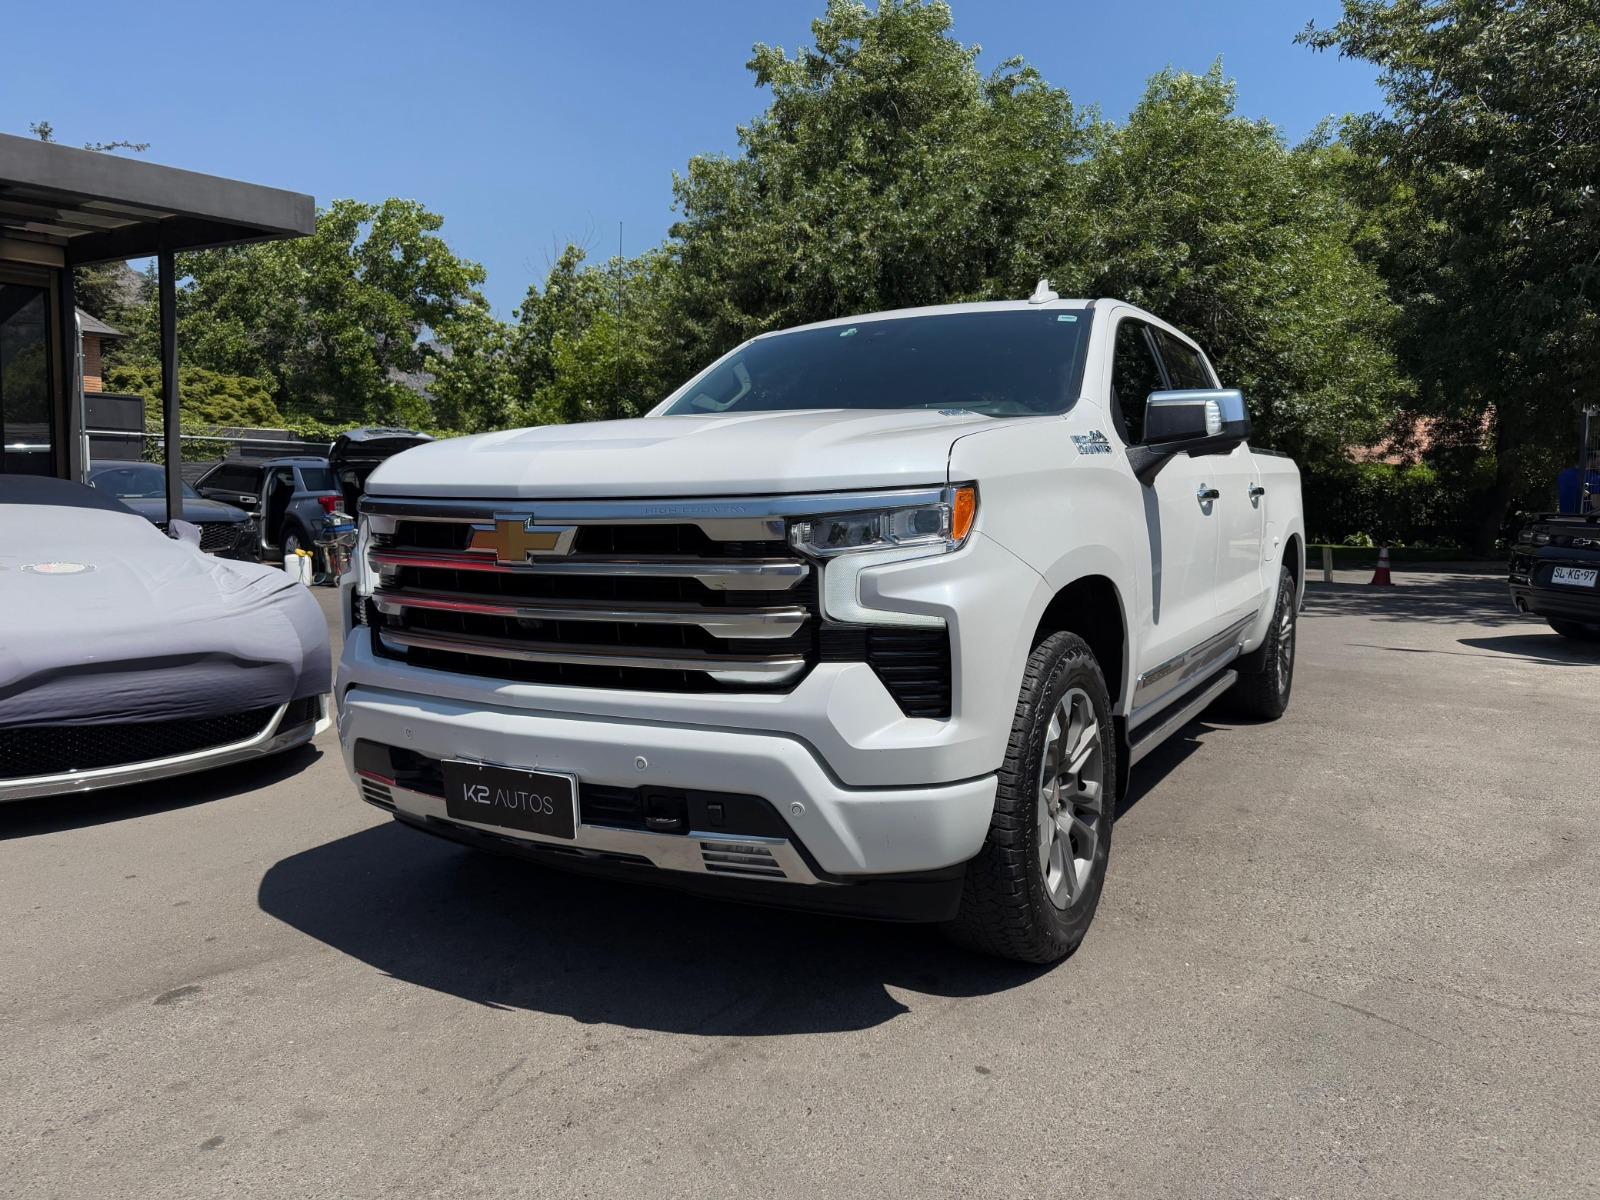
1209 220
1485 158
888 171
340 322
474 384
204 397
597 342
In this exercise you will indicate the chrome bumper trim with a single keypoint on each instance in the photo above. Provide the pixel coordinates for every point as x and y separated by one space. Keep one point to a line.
743 518
269 741
721 575
720 622
698 852
725 668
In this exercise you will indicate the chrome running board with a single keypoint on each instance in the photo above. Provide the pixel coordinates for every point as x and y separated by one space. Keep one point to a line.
1166 725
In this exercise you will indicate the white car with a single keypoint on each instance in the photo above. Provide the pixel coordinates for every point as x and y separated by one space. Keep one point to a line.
870 616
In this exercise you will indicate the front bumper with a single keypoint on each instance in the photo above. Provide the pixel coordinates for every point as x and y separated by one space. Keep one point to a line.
244 545
840 711
834 833
273 738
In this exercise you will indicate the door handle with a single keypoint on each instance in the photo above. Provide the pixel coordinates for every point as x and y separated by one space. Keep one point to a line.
1207 494
1256 490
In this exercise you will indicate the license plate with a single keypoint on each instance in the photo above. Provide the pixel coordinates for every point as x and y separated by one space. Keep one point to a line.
1575 576
532 801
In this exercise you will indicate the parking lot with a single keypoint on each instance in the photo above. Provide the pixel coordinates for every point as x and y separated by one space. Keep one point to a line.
1356 950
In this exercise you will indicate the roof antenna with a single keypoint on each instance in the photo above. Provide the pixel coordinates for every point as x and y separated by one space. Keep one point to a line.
1042 294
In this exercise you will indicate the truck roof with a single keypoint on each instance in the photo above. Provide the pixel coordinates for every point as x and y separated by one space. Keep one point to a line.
930 310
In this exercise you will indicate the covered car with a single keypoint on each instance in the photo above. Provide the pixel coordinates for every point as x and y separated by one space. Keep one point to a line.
128 655
141 486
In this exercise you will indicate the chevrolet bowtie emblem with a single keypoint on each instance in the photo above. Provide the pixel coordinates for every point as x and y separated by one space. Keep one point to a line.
517 539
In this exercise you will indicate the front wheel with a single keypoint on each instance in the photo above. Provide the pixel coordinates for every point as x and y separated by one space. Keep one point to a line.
1033 888
1266 674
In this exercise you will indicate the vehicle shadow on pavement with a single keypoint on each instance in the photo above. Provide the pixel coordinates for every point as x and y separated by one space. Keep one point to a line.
51 814
511 935
1480 598
1539 647
1161 762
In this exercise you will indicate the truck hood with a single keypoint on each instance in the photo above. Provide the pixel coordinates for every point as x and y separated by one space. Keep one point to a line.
737 454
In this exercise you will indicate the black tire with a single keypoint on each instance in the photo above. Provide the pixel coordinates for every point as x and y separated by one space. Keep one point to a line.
1578 631
1018 901
1266 674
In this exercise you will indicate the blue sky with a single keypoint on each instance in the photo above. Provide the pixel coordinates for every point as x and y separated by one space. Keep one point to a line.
528 125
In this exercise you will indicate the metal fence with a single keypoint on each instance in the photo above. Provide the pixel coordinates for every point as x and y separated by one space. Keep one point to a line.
200 451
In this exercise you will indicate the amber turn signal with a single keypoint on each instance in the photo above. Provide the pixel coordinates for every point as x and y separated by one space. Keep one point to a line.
963 513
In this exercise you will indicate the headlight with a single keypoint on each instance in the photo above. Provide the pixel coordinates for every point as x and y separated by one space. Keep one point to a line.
941 527
1535 537
852 542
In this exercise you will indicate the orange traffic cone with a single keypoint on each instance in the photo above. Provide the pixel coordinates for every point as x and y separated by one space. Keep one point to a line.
1380 577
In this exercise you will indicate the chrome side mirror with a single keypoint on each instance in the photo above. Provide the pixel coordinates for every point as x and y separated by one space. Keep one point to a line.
1192 421
1195 414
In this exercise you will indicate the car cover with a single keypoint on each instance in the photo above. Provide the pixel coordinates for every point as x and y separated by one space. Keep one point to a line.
104 619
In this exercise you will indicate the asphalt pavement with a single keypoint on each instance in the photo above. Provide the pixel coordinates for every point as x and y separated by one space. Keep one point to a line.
1356 951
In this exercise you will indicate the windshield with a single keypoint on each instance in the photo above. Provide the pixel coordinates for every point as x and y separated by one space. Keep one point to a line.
1006 363
136 481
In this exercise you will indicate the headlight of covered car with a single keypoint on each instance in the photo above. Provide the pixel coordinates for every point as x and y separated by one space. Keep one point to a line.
852 542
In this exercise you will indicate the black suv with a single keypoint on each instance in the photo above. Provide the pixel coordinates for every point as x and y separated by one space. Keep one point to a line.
301 500
294 499
225 530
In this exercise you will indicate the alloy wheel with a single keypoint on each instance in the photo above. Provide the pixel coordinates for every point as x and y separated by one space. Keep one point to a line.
1071 797
1285 644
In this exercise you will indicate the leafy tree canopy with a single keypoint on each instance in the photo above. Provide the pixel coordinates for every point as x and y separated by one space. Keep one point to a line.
1483 165
887 172
205 397
599 341
1210 221
337 321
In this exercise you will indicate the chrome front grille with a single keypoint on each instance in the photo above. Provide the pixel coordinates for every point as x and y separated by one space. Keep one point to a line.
677 596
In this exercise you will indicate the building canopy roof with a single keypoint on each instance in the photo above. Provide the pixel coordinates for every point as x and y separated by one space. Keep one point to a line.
89 323
99 207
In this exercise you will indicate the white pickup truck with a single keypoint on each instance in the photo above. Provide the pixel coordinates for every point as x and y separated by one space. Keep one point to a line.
871 616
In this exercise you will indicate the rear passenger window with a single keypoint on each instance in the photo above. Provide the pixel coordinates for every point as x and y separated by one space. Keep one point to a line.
1185 367
316 479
